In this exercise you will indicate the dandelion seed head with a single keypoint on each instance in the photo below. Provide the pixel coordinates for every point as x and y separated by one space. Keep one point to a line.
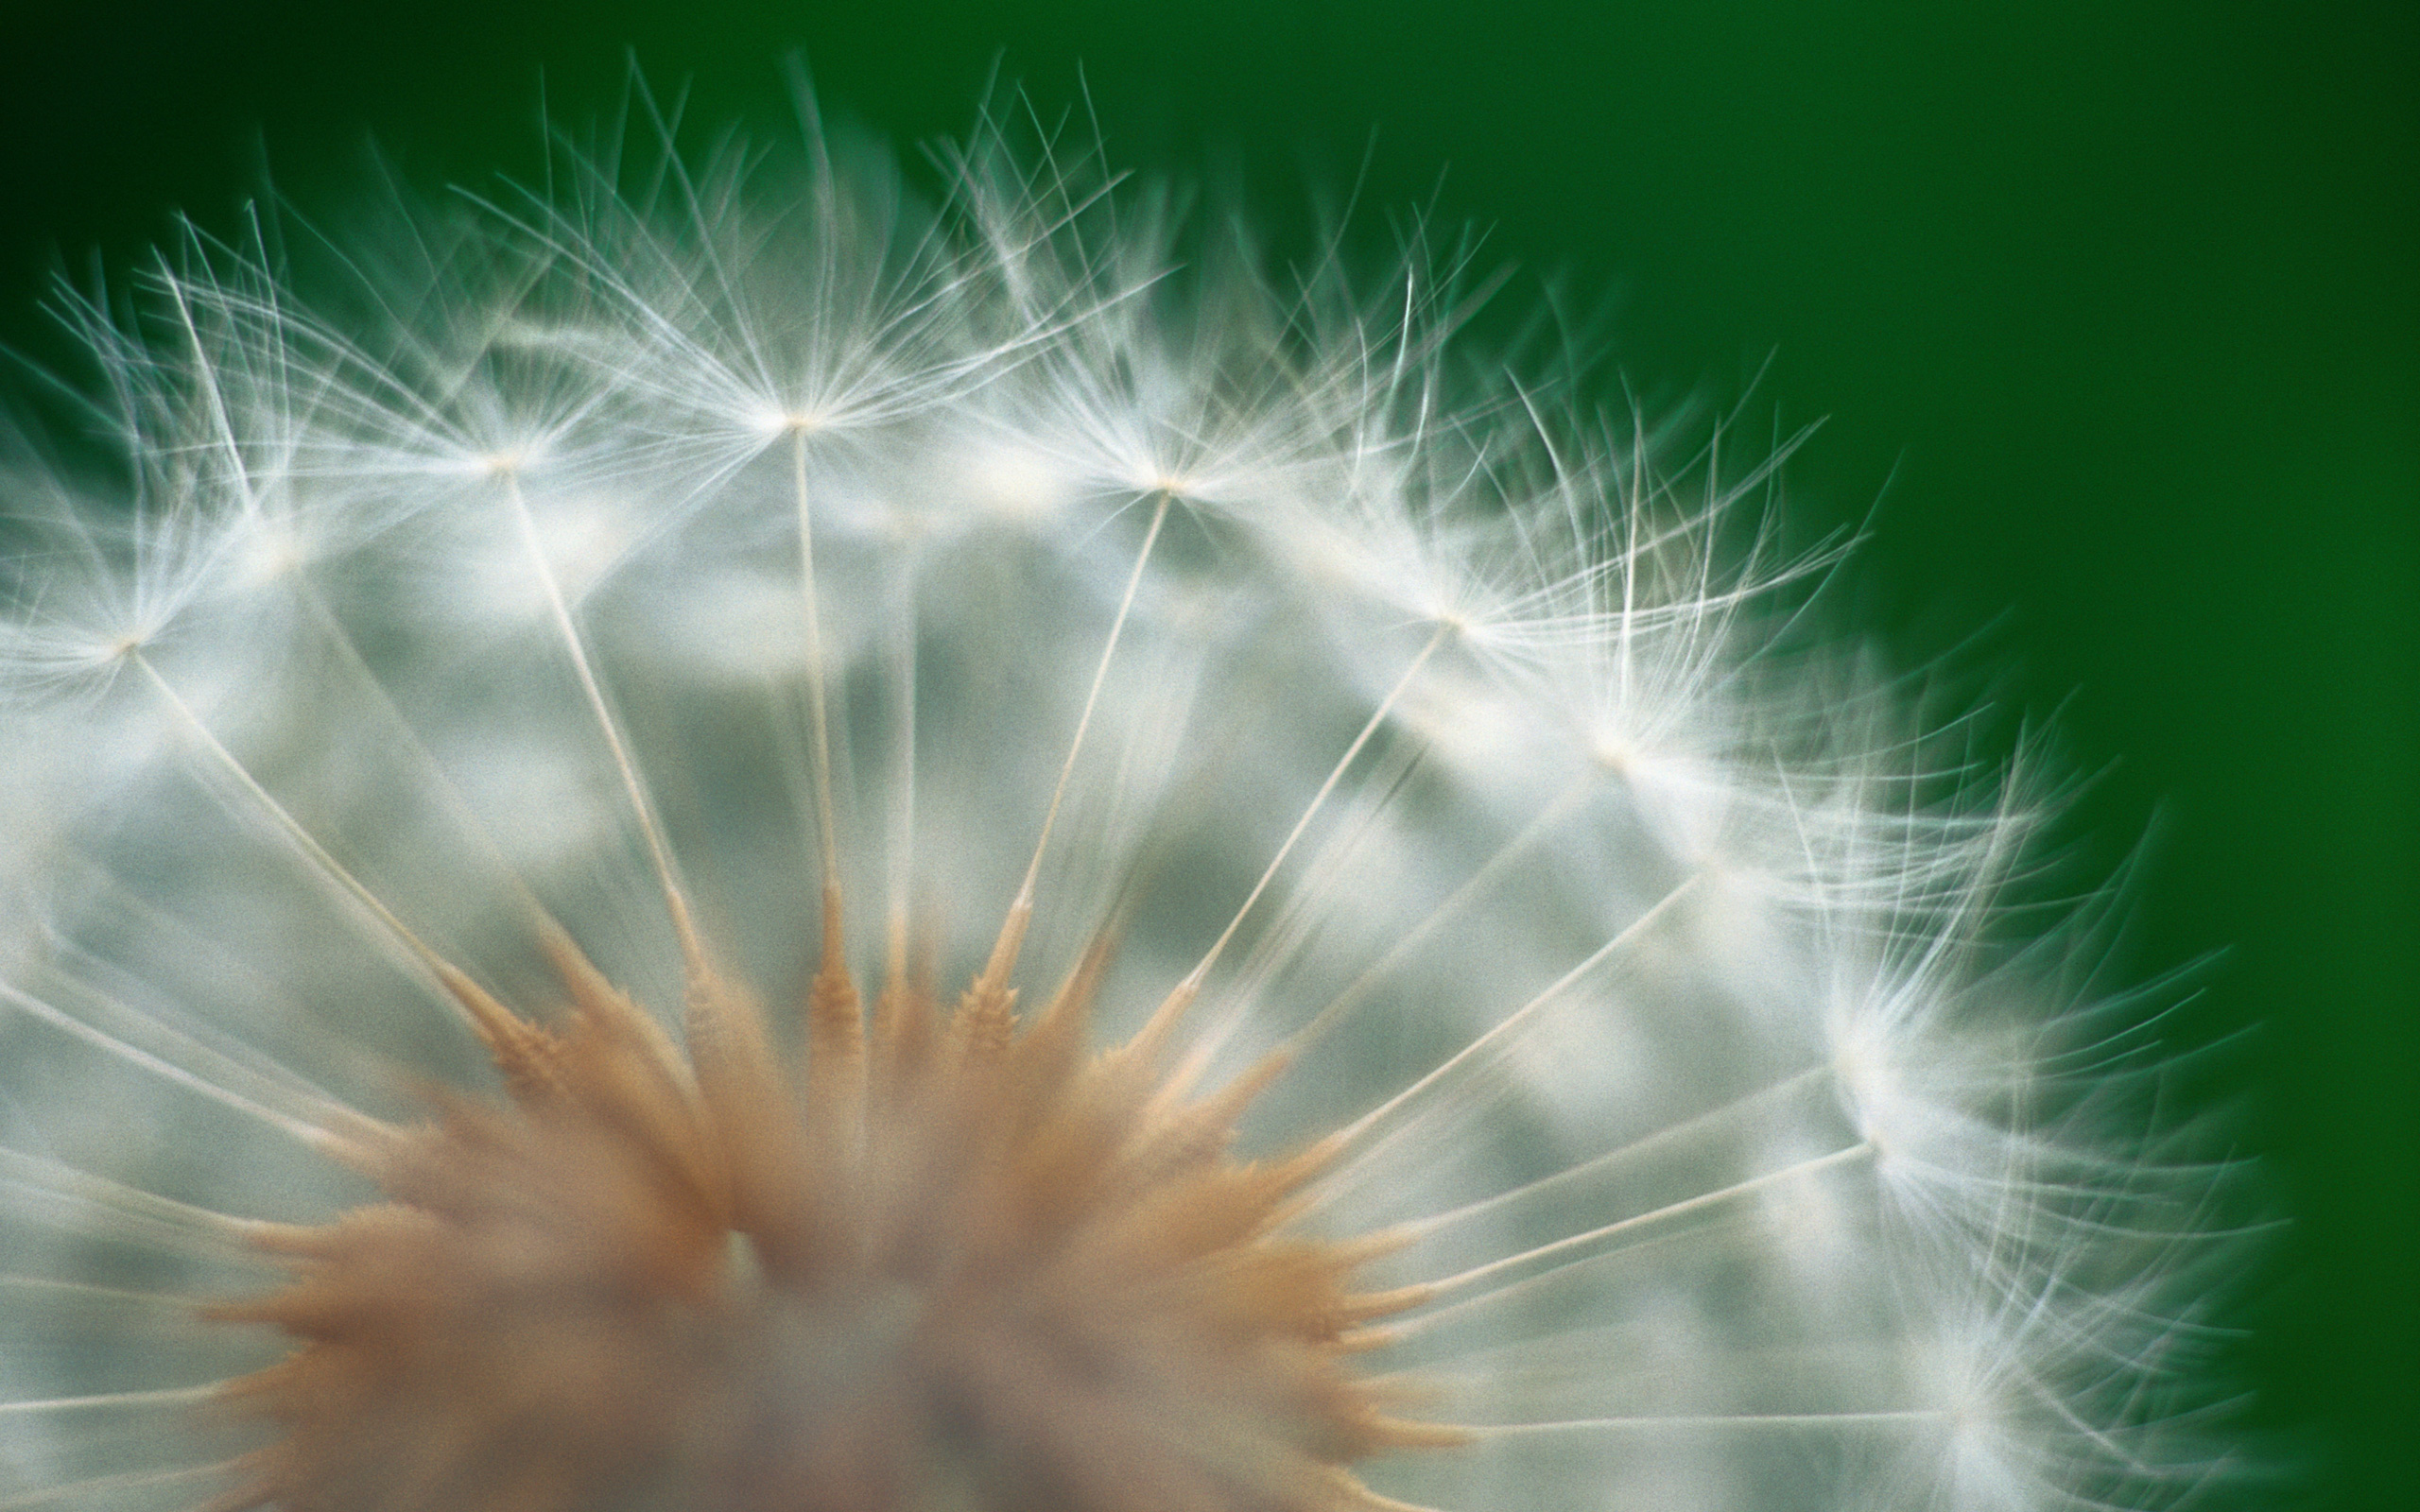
734 842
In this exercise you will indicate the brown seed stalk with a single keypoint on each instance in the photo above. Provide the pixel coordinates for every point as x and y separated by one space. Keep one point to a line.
953 1261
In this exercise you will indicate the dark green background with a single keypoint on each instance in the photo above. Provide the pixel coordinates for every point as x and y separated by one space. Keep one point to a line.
2112 307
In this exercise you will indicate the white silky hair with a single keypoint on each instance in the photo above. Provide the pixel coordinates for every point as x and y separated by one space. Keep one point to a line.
729 524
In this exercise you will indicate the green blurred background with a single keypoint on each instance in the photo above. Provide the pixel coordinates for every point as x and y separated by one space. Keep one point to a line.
2111 311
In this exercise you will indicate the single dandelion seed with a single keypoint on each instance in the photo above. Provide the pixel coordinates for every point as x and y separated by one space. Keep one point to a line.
725 842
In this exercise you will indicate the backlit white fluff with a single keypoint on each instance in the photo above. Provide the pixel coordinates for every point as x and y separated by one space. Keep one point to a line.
727 533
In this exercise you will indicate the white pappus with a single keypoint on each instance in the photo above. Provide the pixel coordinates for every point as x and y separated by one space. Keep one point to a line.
719 841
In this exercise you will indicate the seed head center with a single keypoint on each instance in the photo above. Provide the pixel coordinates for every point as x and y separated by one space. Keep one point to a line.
939 1266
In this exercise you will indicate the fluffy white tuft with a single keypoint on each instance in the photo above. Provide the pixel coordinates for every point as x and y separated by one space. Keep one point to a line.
749 528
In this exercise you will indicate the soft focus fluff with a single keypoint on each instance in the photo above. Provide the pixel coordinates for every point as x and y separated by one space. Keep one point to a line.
716 841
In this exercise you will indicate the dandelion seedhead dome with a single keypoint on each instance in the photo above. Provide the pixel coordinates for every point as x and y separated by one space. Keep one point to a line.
726 841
